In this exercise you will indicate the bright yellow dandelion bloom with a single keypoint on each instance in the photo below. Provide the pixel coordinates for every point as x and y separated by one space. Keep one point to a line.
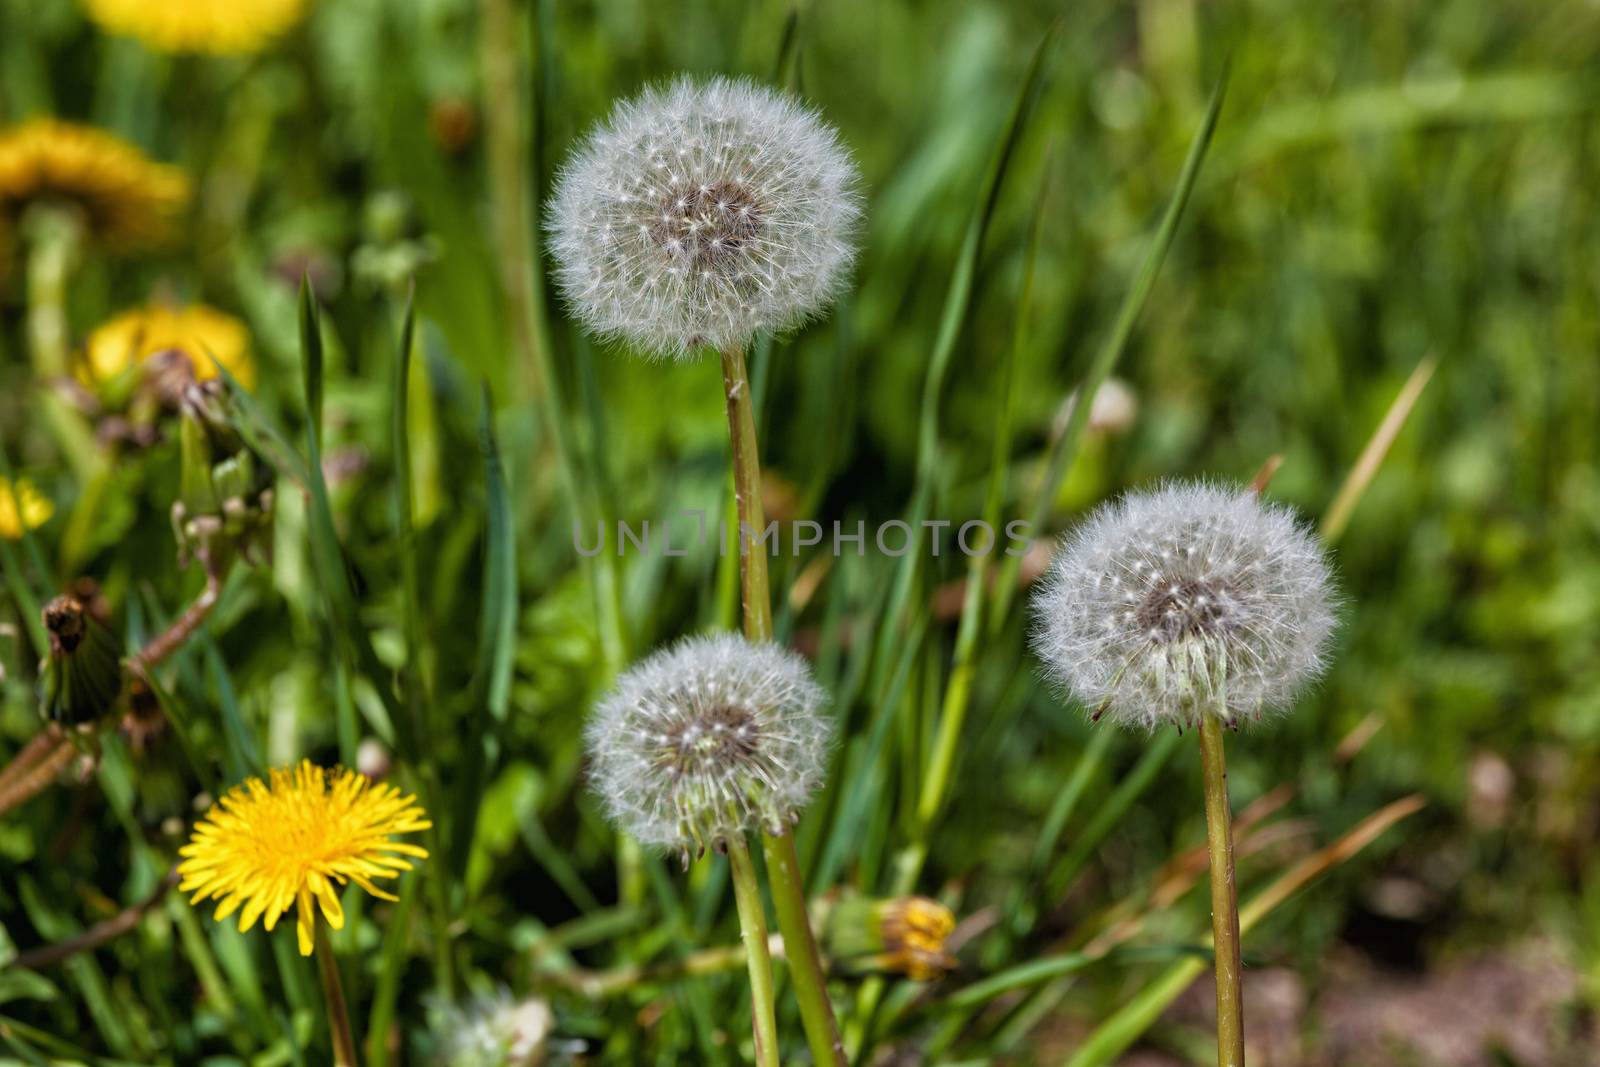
200 332
126 198
221 27
22 507
264 847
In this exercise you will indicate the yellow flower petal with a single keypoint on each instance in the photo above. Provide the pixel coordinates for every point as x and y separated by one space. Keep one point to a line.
201 333
125 199
293 841
198 25
22 507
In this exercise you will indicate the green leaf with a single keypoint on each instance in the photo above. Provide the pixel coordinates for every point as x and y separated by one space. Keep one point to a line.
17 983
311 363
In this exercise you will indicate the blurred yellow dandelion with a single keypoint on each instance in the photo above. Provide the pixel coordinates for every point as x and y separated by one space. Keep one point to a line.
200 332
264 847
22 507
126 198
221 27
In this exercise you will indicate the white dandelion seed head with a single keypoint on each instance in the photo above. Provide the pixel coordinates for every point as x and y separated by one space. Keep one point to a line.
701 213
493 1030
708 739
1192 599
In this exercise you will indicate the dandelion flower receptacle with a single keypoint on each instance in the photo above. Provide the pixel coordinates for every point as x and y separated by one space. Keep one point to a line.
710 739
1192 599
702 213
294 841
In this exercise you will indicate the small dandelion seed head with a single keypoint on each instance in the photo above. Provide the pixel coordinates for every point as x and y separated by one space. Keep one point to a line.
1192 599
295 840
702 213
708 739
492 1029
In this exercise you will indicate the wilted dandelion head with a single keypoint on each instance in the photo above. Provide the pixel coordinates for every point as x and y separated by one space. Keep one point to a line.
708 739
294 840
1192 599
222 27
701 213
125 199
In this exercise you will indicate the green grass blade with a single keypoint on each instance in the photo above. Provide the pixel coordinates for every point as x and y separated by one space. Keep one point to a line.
1066 446
490 692
411 674
957 304
392 963
1106 817
241 756
311 363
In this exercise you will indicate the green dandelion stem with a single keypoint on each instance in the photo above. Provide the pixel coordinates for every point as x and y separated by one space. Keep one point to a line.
344 1042
753 932
1224 895
783 864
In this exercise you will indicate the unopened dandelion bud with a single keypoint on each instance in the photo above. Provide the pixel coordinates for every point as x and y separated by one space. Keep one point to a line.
702 213
225 497
709 739
1194 599
81 678
897 935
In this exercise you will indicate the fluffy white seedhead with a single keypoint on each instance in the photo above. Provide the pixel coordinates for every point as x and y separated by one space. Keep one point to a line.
702 213
710 738
1192 599
492 1030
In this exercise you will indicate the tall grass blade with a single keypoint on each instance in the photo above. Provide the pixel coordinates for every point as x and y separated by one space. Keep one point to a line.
1066 446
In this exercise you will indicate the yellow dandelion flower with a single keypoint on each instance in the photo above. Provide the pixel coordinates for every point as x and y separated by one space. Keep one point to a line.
200 332
126 198
294 841
22 507
221 27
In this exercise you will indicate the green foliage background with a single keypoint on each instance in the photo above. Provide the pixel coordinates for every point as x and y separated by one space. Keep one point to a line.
1388 181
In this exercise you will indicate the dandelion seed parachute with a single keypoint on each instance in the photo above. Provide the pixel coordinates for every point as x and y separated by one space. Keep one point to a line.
702 213
1192 599
710 738
293 841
